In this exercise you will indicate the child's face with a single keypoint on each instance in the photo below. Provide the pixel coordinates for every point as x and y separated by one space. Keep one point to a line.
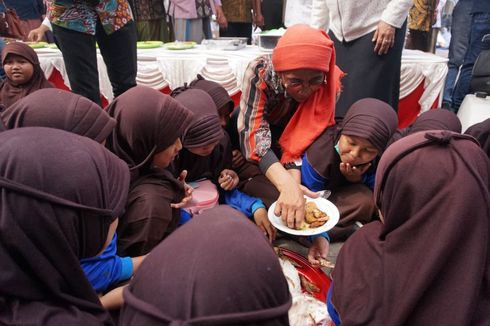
203 150
164 158
18 69
224 115
356 150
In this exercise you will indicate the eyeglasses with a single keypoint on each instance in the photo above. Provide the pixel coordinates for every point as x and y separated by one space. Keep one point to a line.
297 83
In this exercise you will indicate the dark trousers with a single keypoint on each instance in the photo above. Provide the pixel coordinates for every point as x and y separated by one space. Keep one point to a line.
238 30
79 54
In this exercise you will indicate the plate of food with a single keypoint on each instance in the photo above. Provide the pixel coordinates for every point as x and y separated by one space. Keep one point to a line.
177 45
149 44
320 215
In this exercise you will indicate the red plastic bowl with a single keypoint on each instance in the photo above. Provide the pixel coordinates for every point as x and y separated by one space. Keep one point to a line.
312 274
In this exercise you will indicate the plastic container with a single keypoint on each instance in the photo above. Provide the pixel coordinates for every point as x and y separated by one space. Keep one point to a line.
268 39
268 42
474 109
204 196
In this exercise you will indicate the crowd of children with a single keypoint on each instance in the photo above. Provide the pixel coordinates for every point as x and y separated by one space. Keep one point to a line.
92 200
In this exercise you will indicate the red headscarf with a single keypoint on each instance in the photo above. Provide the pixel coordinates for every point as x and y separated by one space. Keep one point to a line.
304 47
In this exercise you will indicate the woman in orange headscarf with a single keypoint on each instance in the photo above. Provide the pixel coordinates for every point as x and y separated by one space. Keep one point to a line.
288 99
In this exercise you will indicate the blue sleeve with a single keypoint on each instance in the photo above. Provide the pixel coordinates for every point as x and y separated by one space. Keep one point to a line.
107 268
331 310
325 235
243 202
368 179
310 178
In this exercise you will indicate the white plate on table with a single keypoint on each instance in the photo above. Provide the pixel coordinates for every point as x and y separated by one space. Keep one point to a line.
323 204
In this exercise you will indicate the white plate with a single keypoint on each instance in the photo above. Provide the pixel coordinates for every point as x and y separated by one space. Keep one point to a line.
323 204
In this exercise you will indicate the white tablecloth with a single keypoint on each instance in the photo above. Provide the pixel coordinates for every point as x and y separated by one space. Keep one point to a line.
159 68
418 66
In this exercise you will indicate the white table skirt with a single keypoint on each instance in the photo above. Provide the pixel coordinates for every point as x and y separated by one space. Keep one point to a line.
159 68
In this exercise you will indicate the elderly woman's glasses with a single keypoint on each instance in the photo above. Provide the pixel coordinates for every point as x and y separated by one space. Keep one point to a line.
297 83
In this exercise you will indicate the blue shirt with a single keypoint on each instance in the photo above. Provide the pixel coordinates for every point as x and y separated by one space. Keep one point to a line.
107 269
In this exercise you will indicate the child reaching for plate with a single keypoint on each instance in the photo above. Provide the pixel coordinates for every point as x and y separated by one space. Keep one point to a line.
343 161
23 72
207 154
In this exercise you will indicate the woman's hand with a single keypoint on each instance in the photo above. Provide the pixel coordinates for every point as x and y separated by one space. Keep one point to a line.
318 251
228 179
291 205
384 38
353 173
262 221
37 34
187 191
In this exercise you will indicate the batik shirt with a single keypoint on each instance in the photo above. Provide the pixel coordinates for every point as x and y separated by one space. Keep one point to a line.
264 112
82 15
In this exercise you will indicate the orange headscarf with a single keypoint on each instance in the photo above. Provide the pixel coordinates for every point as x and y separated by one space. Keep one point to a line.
304 47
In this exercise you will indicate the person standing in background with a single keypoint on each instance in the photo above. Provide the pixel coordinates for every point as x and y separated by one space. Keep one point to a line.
297 12
192 18
368 37
480 26
77 26
272 11
240 15
31 12
460 33
151 21
422 16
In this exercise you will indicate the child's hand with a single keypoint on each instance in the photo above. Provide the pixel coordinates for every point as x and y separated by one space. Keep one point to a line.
318 251
237 159
187 191
262 221
113 299
228 179
353 173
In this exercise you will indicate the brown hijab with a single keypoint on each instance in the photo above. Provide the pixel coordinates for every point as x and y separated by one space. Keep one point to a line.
429 261
436 119
205 127
59 193
147 122
9 93
59 109
481 131
217 92
368 118
217 269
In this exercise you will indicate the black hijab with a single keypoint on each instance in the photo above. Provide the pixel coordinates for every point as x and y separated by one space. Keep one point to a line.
59 194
